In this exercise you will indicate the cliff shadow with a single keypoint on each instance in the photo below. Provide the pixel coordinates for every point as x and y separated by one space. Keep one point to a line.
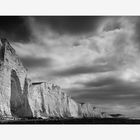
27 107
19 104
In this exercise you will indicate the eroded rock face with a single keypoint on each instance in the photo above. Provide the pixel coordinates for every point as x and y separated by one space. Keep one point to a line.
12 83
88 111
19 97
48 100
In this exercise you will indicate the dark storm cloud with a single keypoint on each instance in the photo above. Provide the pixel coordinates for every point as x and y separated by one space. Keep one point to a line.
137 30
70 24
110 83
72 71
107 94
112 25
107 90
101 82
17 28
110 97
14 28
31 62
116 92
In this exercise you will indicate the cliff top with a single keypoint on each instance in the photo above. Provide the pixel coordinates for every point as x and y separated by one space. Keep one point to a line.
4 43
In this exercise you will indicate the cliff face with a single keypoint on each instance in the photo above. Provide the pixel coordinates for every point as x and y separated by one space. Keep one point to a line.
13 101
19 97
48 100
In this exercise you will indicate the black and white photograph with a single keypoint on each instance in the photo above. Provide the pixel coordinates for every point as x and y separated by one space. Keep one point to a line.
69 70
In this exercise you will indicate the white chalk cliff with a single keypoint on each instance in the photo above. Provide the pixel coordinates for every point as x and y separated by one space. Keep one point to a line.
19 97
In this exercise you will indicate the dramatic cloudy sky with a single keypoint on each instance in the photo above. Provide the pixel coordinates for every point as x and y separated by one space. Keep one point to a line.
95 59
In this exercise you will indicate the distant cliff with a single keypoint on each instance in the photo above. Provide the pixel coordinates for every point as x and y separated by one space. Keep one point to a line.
19 97
48 100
